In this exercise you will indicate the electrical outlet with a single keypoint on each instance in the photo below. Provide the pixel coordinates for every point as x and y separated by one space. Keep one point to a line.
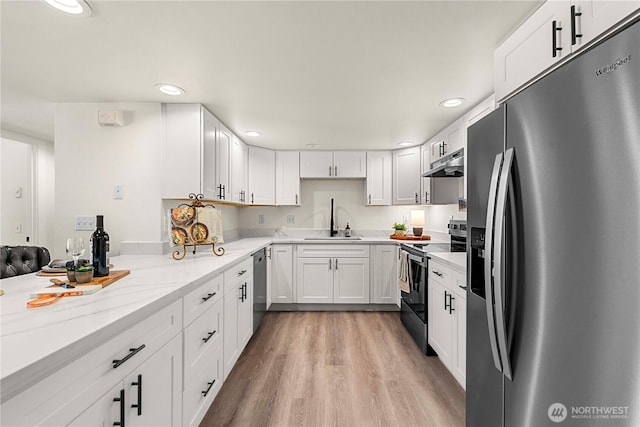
18 228
118 192
291 219
85 223
260 219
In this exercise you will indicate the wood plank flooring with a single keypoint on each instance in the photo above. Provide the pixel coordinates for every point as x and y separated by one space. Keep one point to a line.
336 369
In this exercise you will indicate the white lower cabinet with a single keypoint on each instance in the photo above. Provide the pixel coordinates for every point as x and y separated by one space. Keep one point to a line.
281 283
329 274
384 275
238 312
447 317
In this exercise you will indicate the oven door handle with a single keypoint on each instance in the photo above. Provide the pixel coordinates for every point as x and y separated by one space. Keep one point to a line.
416 258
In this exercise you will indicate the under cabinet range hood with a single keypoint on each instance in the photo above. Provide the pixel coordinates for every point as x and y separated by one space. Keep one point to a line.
450 166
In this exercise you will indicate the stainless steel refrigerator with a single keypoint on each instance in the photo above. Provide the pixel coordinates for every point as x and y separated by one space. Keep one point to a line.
553 326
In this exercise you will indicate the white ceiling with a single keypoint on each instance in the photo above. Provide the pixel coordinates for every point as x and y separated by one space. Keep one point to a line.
348 74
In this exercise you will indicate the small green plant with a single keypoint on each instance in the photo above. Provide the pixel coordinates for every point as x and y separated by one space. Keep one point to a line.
84 268
400 227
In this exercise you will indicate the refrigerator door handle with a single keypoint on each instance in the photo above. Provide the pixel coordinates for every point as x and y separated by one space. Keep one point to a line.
499 262
488 260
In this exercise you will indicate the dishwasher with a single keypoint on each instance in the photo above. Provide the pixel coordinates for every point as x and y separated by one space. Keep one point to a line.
259 286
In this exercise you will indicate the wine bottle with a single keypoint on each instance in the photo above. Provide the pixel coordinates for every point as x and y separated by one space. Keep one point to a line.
100 249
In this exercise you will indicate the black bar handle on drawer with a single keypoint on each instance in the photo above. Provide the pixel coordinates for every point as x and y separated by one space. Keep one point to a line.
554 38
209 335
121 400
205 392
242 272
437 273
208 297
139 385
132 352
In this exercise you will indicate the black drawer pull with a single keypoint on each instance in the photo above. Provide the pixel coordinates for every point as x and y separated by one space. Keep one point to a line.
139 404
133 352
121 400
208 388
242 272
204 299
209 335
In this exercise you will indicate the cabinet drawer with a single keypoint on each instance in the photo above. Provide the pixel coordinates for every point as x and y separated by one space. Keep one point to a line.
89 377
201 299
238 274
346 250
196 399
439 273
205 332
459 283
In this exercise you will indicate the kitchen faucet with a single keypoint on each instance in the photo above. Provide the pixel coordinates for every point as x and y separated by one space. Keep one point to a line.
333 231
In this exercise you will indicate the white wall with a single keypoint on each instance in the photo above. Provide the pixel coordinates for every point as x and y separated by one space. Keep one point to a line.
91 159
349 206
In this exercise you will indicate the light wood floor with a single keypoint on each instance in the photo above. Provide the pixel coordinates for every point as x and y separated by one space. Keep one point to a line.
336 369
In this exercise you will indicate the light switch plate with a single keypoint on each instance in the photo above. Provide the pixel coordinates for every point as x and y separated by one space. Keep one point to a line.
260 219
85 223
291 219
118 192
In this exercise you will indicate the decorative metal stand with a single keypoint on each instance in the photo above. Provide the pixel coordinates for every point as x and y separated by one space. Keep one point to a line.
197 203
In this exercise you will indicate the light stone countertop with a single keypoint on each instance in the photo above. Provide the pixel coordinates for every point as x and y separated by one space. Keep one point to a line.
36 342
456 260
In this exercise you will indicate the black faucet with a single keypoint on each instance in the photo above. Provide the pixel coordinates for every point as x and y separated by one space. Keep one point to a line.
333 231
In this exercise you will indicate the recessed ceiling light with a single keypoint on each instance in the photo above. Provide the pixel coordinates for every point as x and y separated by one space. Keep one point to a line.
252 133
74 7
452 102
169 89
405 143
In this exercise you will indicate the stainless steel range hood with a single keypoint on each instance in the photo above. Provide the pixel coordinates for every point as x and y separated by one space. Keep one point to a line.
450 166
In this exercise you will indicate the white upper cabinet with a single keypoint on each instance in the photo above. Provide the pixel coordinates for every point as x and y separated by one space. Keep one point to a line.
438 146
224 138
554 31
189 156
479 111
451 139
262 176
333 164
349 164
288 178
239 168
378 178
406 176
425 183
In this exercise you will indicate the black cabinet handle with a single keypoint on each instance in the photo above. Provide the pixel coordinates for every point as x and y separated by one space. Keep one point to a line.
417 198
445 300
244 291
574 31
330 169
242 272
296 199
209 296
205 392
437 273
451 309
252 201
554 36
369 198
139 385
132 352
209 335
220 191
121 400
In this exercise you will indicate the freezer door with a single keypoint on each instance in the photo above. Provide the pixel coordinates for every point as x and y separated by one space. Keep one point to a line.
484 381
574 319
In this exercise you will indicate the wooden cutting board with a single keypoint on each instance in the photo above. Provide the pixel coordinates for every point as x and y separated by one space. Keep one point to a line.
423 237
107 280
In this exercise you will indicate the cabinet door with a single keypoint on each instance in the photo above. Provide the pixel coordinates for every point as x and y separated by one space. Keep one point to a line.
316 164
209 124
384 289
455 136
425 183
441 325
460 362
351 281
245 315
181 127
262 176
406 176
438 146
379 178
231 342
349 164
223 158
315 280
239 164
530 49
153 392
597 17
106 411
288 178
479 111
282 274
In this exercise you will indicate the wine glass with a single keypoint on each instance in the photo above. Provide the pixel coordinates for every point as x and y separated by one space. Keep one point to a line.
75 248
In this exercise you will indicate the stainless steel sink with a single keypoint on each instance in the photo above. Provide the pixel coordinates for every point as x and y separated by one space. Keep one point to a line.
332 238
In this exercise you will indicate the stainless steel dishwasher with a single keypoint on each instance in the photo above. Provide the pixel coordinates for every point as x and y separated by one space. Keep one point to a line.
259 286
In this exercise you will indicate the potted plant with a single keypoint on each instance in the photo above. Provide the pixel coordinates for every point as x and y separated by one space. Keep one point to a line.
399 229
84 274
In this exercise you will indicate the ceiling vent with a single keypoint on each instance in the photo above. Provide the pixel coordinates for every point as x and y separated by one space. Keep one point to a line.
111 118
